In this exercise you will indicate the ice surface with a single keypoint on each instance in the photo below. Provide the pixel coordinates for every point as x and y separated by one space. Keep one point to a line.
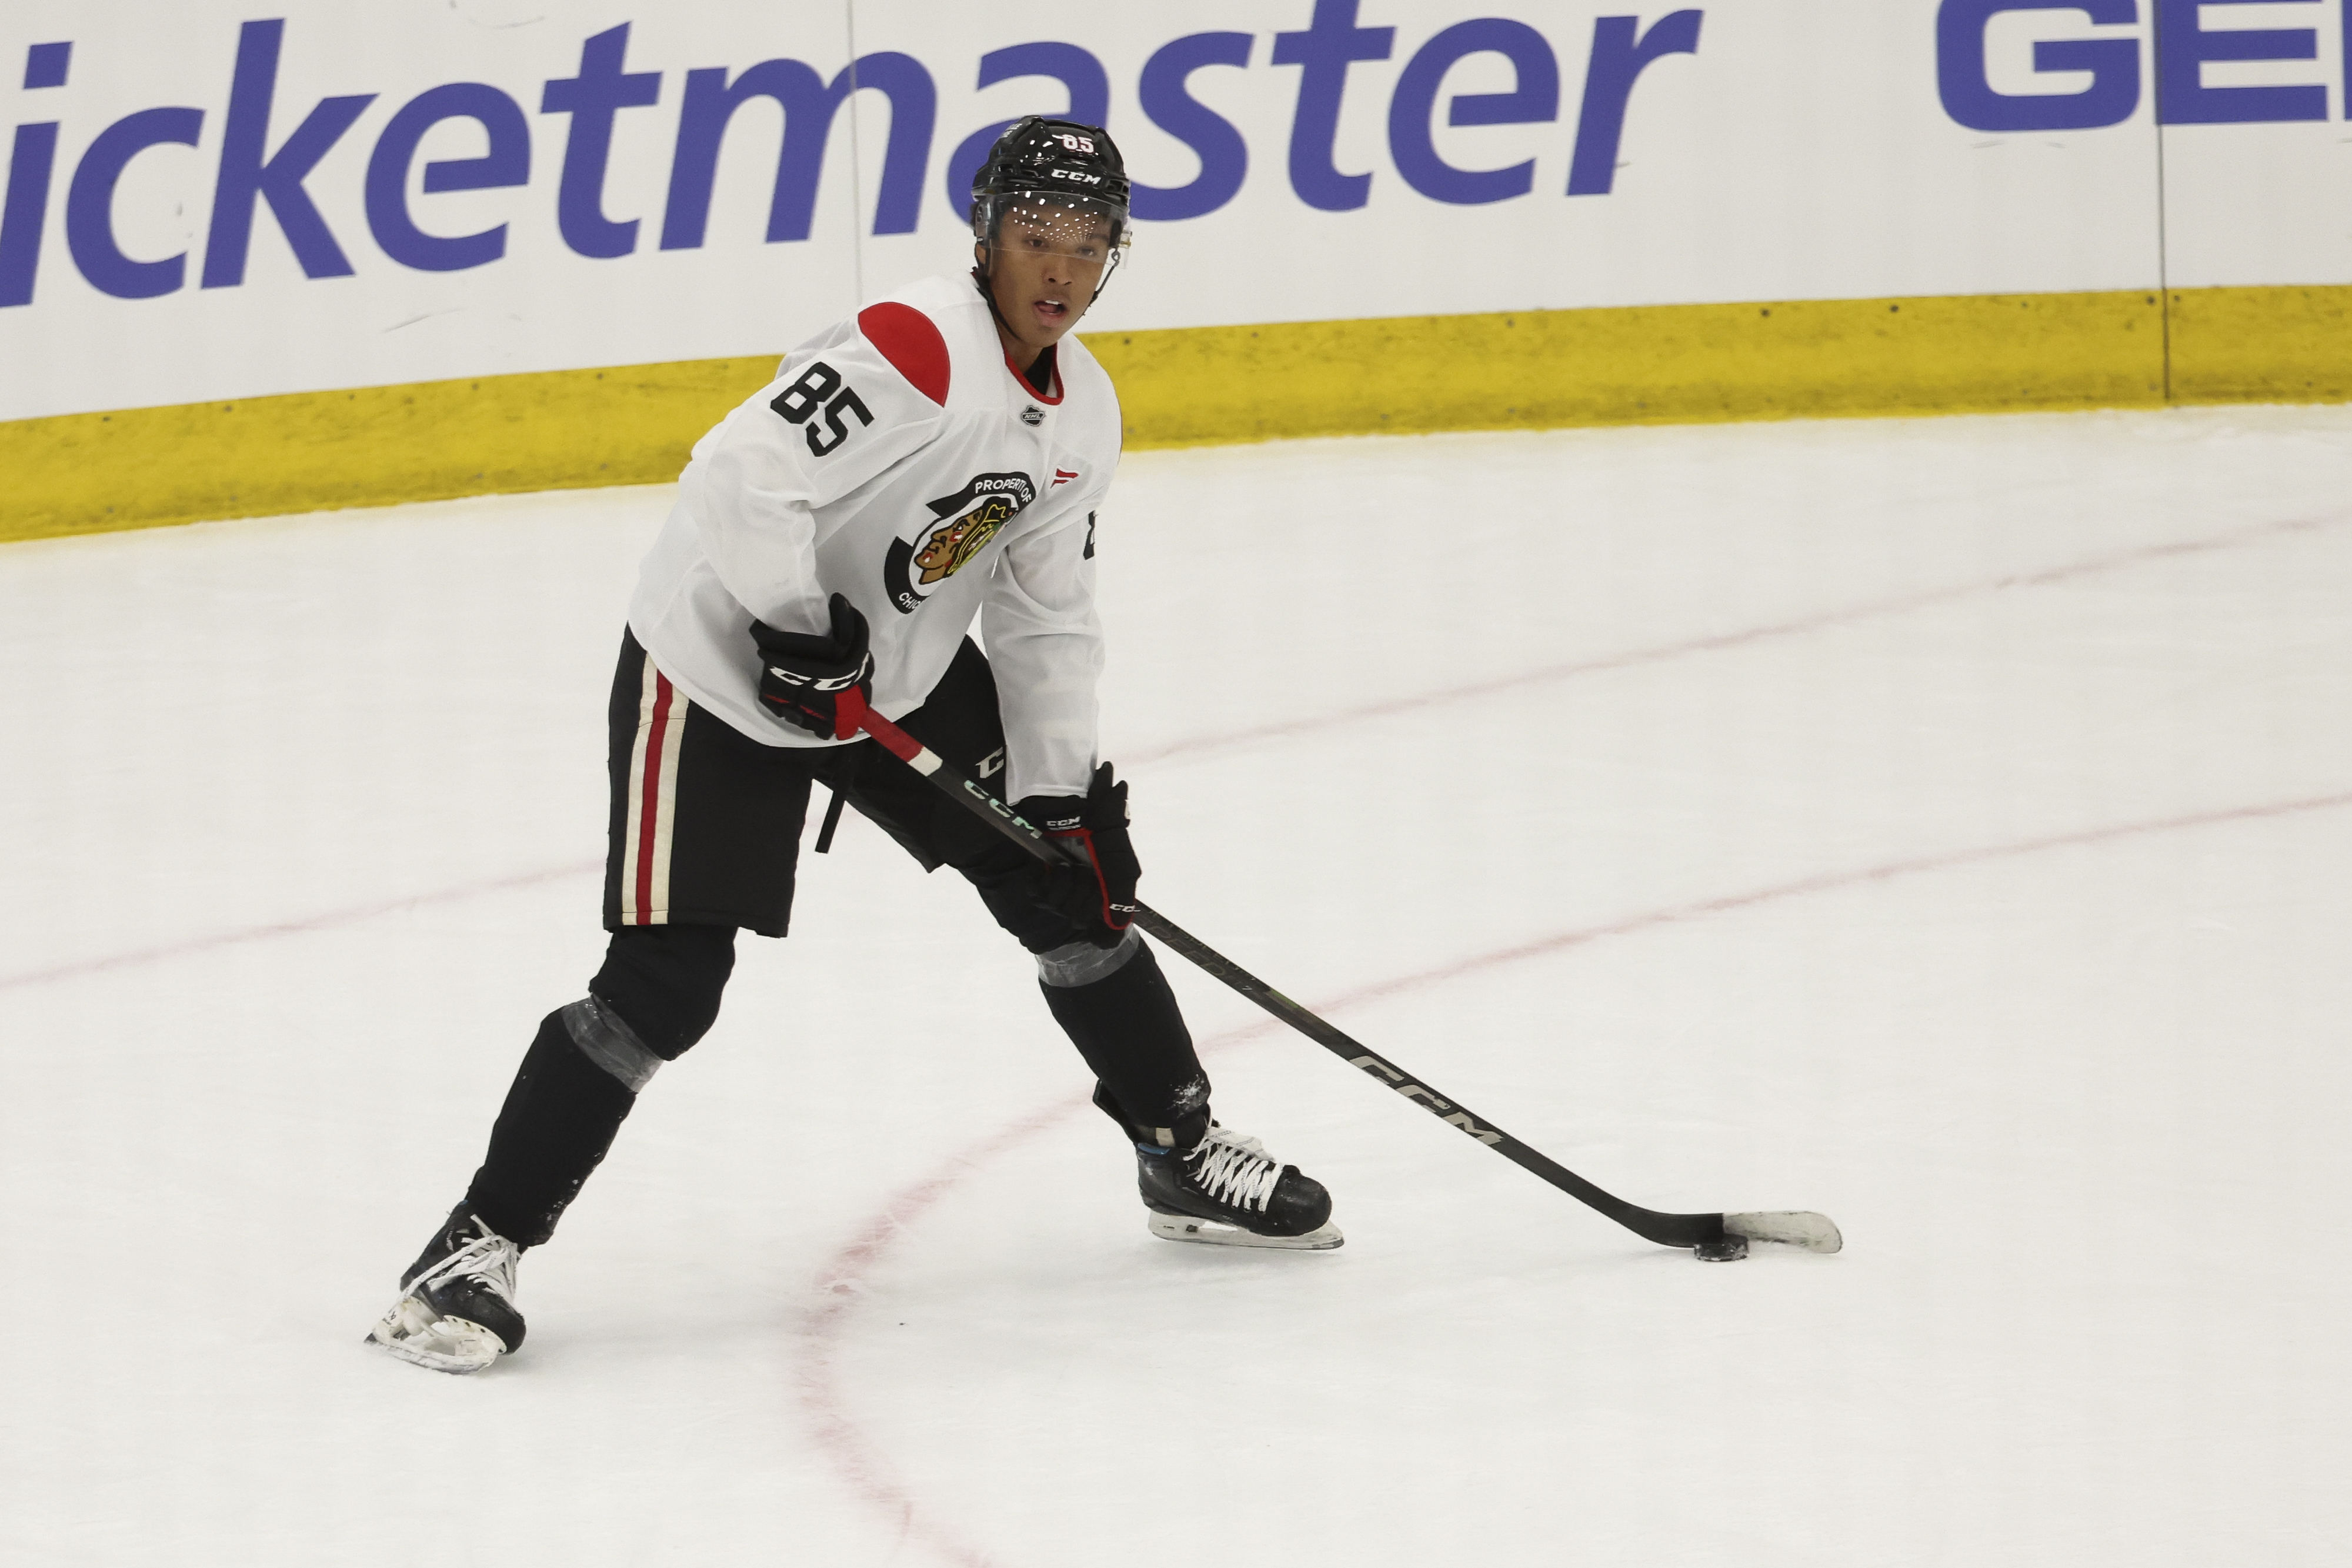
1943 825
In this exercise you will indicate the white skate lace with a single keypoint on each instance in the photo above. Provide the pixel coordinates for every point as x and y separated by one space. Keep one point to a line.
489 1261
1235 1169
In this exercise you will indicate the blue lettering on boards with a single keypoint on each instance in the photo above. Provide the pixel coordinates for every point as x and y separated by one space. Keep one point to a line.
508 162
252 174
246 175
1167 102
32 161
24 212
2184 46
1965 88
2183 99
1621 53
1533 98
45 65
1331 43
592 99
90 203
811 104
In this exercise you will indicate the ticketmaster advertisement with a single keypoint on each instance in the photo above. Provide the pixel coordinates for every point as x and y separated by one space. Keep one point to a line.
207 200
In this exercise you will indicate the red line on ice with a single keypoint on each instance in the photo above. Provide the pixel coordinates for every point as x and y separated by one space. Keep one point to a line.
1207 743
1827 620
351 915
842 1282
840 1286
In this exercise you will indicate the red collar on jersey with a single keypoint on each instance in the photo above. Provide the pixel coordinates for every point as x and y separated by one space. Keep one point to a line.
1022 376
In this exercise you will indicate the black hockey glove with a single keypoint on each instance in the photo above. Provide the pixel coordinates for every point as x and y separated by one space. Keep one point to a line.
1099 895
820 684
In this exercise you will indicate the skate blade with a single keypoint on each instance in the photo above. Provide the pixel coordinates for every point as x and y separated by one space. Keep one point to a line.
416 1334
1216 1233
1789 1227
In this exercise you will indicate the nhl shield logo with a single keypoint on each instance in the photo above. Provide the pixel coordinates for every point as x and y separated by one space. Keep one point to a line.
1032 415
958 528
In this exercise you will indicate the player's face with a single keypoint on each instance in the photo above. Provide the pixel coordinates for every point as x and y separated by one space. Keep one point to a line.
1043 271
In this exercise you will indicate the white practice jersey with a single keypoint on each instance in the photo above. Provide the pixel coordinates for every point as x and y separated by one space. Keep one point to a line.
900 460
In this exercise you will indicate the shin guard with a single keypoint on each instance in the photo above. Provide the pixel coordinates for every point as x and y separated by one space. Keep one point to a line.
1126 1026
559 1119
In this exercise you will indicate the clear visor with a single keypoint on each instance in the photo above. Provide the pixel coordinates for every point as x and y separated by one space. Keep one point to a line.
1091 232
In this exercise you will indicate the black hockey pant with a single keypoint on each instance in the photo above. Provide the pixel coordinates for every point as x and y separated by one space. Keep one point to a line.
677 892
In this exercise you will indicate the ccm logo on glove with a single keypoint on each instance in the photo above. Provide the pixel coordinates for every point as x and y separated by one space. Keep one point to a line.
1097 890
820 684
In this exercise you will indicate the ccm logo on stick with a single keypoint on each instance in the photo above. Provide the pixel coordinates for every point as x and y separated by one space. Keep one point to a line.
1397 1081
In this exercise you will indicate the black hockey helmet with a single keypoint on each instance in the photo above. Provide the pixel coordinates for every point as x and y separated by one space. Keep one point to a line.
1063 176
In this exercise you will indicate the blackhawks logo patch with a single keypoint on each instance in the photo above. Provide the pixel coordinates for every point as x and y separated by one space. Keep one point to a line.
958 528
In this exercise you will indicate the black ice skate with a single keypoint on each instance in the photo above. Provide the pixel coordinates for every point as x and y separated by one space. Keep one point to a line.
457 1310
1226 1190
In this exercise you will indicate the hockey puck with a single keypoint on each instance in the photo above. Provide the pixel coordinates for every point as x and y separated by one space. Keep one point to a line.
1730 1249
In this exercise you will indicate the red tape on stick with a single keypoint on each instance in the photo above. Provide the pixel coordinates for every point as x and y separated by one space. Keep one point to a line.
895 741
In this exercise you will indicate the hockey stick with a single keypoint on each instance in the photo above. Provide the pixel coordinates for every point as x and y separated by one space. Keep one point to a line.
1715 1237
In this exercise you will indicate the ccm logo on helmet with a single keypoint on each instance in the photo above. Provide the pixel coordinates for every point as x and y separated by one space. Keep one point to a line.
1083 179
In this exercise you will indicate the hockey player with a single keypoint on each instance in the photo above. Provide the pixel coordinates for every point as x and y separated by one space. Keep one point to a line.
939 458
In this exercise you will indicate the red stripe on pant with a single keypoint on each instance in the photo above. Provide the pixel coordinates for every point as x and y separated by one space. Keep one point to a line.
649 800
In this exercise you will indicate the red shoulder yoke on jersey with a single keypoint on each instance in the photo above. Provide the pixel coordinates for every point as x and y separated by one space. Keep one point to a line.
911 342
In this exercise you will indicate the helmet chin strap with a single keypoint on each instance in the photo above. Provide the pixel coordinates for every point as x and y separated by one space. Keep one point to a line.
987 291
980 281
987 287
